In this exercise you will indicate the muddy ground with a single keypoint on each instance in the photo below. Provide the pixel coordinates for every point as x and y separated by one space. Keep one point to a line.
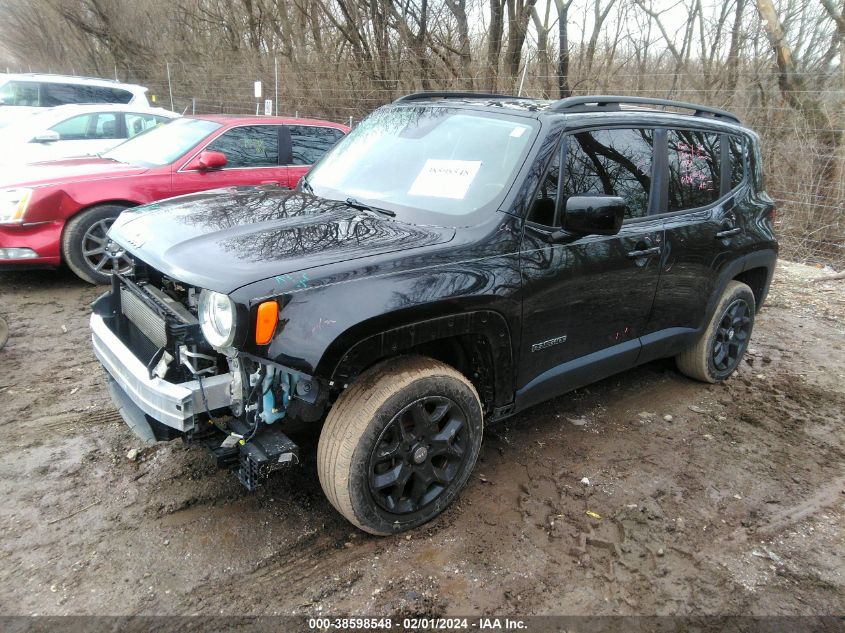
734 505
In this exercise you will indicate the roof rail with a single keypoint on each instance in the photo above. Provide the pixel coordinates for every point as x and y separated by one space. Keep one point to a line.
604 103
419 96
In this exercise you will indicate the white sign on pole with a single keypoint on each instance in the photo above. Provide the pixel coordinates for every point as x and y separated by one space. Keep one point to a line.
268 107
257 89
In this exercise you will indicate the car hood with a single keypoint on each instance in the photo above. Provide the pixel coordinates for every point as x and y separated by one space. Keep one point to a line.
11 114
227 238
67 170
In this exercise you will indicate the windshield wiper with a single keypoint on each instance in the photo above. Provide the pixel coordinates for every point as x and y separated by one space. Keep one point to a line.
352 202
306 186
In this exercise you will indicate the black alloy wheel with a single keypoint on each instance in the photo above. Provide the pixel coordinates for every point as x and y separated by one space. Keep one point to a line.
732 335
418 454
400 443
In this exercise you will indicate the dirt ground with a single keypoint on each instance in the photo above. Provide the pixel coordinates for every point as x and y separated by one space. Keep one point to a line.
733 505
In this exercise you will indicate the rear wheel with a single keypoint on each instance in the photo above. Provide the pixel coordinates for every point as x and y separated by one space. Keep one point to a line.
399 444
721 346
88 251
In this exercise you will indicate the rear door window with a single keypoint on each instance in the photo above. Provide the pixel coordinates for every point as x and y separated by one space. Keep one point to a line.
249 146
614 162
310 142
53 94
694 169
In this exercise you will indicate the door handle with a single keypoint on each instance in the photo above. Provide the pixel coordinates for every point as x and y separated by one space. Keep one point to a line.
646 252
728 233
271 182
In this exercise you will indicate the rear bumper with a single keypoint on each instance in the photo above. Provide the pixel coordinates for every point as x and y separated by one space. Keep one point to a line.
174 405
44 238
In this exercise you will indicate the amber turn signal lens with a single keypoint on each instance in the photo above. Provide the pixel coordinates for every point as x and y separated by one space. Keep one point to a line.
265 322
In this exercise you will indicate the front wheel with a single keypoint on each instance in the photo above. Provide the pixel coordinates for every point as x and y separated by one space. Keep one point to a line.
399 444
88 251
720 348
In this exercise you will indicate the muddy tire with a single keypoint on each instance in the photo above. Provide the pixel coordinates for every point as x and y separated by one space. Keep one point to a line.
85 248
720 348
399 444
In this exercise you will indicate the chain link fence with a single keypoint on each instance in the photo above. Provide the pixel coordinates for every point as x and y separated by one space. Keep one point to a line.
804 160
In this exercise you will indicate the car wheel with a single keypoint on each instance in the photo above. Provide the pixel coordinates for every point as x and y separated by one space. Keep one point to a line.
721 346
399 444
87 250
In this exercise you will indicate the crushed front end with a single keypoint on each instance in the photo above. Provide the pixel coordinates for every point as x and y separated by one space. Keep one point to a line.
167 381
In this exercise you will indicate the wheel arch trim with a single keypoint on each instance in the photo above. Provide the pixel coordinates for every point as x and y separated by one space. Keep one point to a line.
490 325
764 258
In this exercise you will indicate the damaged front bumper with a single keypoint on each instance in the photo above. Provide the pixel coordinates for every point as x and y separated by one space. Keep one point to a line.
174 405
156 409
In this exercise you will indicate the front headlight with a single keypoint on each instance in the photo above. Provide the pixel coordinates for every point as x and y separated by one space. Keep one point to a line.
217 318
13 203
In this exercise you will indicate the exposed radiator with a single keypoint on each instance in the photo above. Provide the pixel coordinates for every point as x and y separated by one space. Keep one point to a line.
145 319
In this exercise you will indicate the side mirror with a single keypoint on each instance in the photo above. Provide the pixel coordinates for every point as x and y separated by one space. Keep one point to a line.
594 215
47 136
208 160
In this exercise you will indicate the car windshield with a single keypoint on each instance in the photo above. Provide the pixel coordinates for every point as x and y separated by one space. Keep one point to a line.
448 163
163 144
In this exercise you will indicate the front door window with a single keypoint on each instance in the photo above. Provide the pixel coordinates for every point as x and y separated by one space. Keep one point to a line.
249 146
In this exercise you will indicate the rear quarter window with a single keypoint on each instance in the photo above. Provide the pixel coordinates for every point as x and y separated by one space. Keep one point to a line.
736 156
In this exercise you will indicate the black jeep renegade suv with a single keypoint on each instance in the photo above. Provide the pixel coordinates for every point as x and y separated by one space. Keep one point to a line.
455 259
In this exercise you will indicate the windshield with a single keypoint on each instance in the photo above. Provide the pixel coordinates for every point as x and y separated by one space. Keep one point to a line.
445 161
163 144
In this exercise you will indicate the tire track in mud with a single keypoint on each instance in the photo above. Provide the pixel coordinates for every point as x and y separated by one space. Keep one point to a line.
66 423
826 496
23 434
315 566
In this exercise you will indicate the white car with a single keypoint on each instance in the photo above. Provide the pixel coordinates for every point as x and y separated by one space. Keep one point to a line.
22 94
75 130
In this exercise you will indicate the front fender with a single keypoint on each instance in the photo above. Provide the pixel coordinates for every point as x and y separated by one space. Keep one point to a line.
321 320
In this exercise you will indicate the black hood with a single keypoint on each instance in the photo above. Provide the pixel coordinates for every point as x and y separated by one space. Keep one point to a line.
227 238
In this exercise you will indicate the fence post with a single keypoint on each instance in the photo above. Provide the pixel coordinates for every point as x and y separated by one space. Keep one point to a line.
522 81
169 86
276 77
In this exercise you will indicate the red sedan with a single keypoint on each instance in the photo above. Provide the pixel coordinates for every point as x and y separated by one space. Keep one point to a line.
59 211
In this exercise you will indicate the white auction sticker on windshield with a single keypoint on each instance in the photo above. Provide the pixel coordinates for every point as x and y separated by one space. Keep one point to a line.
445 178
